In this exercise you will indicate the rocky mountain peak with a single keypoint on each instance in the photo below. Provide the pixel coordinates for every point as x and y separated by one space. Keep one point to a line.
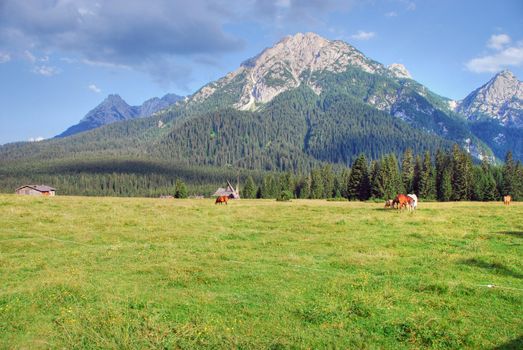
501 98
399 71
289 63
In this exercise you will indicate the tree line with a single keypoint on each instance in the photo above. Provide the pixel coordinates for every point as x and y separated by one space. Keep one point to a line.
444 176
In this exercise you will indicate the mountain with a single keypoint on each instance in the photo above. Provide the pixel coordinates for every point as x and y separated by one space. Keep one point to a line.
501 100
114 109
156 104
304 102
333 66
495 114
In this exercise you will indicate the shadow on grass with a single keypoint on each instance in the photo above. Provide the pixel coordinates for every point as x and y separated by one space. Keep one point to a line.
512 233
497 267
511 345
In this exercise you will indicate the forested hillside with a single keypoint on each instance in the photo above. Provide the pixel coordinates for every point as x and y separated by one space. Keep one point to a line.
328 107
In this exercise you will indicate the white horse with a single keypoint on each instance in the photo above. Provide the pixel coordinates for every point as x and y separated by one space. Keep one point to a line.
414 199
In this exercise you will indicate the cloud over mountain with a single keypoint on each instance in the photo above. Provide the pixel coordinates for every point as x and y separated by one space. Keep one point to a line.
158 37
504 55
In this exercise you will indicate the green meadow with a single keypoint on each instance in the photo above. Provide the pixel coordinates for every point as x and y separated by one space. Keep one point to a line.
133 273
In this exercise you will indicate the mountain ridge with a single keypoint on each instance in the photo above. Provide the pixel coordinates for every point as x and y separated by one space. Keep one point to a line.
343 102
500 99
114 108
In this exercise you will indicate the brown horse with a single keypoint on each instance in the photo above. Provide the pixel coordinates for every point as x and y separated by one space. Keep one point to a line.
222 199
389 203
402 201
507 199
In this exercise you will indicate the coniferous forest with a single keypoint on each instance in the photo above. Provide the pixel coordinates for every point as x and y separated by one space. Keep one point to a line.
446 175
326 146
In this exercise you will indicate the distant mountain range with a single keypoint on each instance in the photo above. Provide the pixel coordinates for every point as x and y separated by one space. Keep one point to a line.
114 109
304 101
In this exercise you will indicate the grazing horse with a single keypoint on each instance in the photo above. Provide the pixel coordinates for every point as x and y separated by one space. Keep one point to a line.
507 199
222 199
389 203
414 200
402 200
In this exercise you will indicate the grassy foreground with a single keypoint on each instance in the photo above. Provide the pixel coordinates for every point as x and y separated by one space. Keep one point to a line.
80 272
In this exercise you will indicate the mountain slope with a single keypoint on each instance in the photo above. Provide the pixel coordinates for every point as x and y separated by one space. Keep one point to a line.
114 109
500 99
305 101
335 66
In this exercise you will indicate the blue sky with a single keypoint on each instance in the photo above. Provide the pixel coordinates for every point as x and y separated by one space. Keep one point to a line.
60 58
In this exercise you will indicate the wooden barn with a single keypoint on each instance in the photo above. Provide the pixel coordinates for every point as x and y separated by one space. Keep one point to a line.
36 190
229 191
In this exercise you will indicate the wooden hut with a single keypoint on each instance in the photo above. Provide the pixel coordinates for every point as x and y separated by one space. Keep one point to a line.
36 190
229 191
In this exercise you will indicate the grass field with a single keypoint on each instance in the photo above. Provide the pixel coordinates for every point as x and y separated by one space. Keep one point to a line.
80 272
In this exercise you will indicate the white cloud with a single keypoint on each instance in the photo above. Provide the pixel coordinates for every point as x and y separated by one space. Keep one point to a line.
5 57
362 35
391 14
36 139
497 42
504 57
94 88
44 70
511 56
411 6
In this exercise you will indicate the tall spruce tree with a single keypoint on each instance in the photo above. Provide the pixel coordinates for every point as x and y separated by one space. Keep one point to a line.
316 184
509 172
328 181
446 185
180 189
375 185
461 175
303 187
358 186
269 187
443 168
344 182
426 183
250 188
418 168
407 171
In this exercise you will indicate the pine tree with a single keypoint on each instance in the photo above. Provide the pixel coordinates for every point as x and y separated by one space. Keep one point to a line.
407 171
180 189
395 183
375 184
443 166
358 186
286 182
426 178
269 187
518 182
461 175
328 181
249 190
304 187
344 182
418 168
446 185
316 184
509 172
490 192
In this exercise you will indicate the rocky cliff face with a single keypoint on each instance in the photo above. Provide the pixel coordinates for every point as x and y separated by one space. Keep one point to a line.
500 99
399 71
156 104
286 65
